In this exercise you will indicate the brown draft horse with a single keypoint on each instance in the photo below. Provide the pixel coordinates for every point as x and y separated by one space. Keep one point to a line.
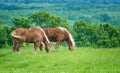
32 35
59 35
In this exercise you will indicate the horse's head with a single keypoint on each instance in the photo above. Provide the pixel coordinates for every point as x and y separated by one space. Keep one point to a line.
68 37
48 45
71 47
70 42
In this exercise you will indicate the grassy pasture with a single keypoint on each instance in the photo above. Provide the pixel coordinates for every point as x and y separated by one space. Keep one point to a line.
81 60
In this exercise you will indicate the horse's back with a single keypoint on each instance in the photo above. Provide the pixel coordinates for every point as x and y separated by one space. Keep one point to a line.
54 34
35 33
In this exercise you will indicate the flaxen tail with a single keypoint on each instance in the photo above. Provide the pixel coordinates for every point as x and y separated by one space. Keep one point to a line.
13 34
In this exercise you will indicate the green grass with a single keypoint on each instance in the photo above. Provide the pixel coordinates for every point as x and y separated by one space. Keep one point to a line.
81 60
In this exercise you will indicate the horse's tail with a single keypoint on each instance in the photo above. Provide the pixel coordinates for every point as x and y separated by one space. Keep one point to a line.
13 34
69 35
46 38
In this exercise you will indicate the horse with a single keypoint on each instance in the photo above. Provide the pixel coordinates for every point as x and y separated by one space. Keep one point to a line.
59 35
32 35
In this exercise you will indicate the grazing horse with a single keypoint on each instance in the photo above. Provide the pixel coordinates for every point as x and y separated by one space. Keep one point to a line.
33 35
59 35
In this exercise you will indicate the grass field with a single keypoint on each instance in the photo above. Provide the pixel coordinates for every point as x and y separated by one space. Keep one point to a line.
81 60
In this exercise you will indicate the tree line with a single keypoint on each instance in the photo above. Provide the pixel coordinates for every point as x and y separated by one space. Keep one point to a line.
66 1
85 34
103 35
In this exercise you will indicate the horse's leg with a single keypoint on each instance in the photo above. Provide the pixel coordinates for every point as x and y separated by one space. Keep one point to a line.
57 44
41 46
36 45
14 44
18 45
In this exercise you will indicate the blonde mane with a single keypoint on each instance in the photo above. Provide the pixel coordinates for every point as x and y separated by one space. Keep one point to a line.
70 36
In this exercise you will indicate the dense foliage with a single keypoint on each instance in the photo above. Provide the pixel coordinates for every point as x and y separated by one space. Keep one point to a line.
85 34
21 22
5 36
103 35
95 11
44 19
66 1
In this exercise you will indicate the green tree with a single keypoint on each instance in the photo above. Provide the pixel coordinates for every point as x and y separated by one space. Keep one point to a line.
3 37
21 23
113 34
80 29
40 18
105 17
44 19
103 35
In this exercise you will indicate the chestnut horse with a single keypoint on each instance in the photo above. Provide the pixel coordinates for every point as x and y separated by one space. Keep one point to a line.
59 35
32 35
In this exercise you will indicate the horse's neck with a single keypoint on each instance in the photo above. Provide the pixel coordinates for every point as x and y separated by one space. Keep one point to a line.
69 42
46 42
